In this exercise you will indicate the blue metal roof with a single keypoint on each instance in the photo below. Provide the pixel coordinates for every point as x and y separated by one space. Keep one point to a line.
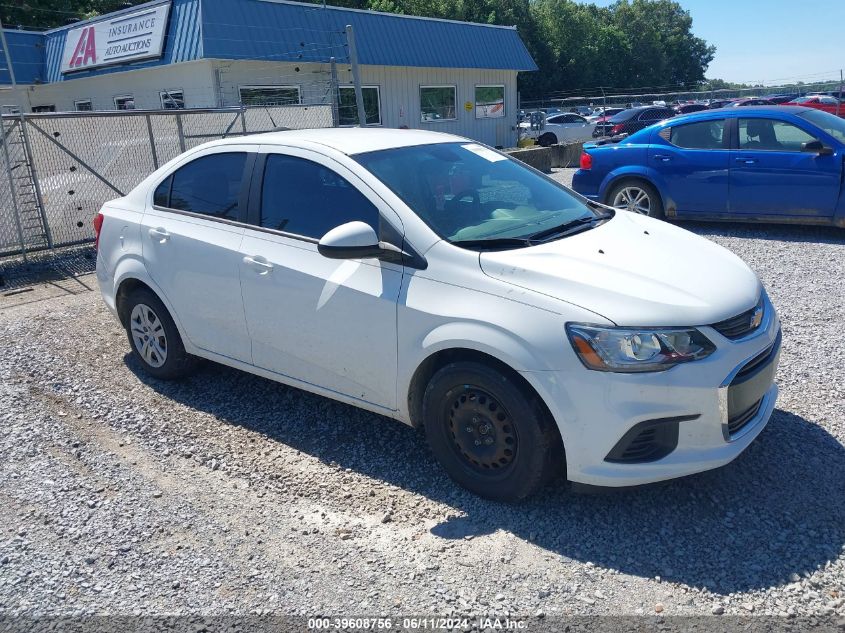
278 30
26 48
292 31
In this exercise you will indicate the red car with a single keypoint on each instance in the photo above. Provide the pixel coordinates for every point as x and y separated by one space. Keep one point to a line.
820 102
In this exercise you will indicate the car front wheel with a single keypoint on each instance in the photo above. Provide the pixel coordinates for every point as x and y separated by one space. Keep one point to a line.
487 434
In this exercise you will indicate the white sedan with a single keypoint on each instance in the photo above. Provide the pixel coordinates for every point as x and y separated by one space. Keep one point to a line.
565 127
433 280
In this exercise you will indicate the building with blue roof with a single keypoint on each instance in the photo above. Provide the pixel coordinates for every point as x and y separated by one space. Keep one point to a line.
415 72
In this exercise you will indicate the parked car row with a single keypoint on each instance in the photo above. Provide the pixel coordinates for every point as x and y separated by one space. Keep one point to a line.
769 163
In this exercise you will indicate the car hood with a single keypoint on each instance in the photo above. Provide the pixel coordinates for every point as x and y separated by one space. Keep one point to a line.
634 270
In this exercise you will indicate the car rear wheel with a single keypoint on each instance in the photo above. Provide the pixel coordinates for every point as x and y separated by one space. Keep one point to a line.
154 338
488 436
636 196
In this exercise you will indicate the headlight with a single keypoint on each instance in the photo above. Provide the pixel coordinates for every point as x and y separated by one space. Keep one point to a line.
627 350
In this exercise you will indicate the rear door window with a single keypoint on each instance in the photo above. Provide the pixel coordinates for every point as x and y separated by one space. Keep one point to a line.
209 185
699 135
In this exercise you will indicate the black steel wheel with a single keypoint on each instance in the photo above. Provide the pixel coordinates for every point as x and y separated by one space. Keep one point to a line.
489 434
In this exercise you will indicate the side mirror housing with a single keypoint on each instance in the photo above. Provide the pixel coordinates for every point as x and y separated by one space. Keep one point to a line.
816 147
353 240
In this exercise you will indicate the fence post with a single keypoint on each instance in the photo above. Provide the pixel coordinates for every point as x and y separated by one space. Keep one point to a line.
356 76
335 95
39 200
243 119
181 133
152 142
12 191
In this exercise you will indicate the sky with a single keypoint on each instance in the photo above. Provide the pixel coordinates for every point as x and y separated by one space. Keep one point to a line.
776 41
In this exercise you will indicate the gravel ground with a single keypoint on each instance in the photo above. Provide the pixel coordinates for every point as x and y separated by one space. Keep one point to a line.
230 494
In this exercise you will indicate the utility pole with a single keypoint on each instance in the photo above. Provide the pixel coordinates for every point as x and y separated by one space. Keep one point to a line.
356 76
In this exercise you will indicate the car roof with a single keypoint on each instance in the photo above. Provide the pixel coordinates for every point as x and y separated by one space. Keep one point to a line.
352 140
783 109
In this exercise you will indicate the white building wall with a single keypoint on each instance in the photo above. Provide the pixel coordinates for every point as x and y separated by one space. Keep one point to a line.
213 83
195 79
399 92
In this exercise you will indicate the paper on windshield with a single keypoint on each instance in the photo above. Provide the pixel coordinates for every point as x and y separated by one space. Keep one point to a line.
487 154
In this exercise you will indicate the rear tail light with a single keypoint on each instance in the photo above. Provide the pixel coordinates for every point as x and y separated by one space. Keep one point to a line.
98 226
586 161
617 129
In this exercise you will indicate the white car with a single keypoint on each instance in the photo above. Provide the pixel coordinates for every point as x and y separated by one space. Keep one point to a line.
565 127
431 279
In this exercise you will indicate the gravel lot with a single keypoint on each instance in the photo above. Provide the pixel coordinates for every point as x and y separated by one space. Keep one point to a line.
228 493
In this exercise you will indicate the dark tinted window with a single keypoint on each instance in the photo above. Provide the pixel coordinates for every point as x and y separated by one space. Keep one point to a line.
305 198
210 185
698 135
771 135
161 197
655 114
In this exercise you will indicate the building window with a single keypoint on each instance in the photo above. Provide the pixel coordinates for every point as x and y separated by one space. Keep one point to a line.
489 102
44 108
124 102
269 95
437 103
83 105
172 99
348 108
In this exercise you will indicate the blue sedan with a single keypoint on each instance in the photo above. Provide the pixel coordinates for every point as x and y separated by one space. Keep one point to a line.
769 163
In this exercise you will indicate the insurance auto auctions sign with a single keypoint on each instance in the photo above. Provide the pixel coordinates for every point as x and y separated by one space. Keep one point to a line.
125 38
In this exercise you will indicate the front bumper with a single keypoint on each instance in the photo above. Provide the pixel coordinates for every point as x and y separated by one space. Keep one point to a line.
594 411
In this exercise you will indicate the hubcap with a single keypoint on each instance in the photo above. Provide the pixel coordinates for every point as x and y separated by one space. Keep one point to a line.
633 199
148 335
481 430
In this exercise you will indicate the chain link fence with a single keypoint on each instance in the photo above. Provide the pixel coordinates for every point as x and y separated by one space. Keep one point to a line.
57 170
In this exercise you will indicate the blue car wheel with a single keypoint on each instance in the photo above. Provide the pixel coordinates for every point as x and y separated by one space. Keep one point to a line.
636 196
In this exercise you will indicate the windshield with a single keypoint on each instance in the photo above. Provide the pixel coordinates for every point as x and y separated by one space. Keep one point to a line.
468 193
830 123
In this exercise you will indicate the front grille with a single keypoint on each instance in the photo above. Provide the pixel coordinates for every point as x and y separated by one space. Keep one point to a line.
740 325
737 422
760 360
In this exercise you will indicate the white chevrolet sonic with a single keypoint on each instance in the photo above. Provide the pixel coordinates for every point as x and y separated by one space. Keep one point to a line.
434 280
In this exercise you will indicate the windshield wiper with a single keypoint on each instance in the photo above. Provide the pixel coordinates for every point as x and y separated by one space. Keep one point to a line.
493 243
567 228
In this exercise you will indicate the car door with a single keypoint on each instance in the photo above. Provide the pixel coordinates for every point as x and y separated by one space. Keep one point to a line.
191 236
770 175
326 322
693 161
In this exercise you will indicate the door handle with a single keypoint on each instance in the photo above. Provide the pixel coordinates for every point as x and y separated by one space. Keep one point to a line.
746 161
662 157
159 234
261 265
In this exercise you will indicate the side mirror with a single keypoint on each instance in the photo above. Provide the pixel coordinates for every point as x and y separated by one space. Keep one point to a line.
816 147
353 240
357 240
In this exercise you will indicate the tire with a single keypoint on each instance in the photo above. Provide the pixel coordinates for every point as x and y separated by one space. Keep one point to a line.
487 434
164 356
625 193
547 140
